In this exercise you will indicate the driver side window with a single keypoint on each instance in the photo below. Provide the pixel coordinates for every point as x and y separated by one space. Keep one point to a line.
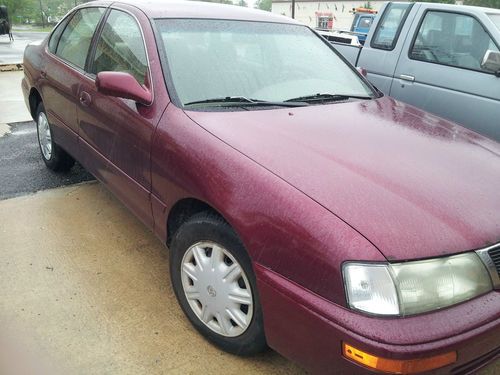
452 39
120 47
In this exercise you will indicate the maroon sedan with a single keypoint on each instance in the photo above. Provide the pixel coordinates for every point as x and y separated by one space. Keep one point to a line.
304 211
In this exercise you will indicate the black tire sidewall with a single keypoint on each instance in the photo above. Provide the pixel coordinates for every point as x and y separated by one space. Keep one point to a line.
206 228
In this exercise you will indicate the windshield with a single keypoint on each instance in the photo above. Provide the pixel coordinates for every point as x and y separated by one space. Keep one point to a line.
210 59
496 19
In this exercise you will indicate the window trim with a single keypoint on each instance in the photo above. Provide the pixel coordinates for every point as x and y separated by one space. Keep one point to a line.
97 35
69 63
435 10
398 32
64 20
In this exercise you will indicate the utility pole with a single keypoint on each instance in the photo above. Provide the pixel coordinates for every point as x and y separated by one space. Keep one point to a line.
41 13
293 8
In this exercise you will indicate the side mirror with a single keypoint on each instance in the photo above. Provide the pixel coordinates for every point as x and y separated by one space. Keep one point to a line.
123 85
362 71
491 62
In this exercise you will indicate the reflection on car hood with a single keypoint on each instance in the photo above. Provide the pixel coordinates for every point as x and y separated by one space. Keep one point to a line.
415 185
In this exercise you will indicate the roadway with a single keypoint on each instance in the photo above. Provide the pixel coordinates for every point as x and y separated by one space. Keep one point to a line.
12 52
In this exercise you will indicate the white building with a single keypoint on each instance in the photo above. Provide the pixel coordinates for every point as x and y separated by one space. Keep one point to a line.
324 14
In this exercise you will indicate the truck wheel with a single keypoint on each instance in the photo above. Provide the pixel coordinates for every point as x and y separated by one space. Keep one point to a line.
215 285
54 156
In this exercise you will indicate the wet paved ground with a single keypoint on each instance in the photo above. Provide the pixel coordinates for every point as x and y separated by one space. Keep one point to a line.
22 170
12 106
85 289
12 52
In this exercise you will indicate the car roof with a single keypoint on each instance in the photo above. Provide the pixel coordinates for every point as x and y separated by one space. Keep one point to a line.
198 9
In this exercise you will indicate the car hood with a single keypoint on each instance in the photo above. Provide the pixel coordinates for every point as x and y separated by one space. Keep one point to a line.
413 184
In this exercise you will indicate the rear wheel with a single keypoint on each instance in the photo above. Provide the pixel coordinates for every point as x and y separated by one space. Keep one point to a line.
54 156
215 285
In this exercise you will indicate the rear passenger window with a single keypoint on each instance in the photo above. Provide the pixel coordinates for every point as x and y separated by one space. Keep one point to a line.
388 29
77 36
56 34
120 47
452 39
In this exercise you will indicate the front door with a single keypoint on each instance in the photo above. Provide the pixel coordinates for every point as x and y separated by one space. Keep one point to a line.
114 129
440 71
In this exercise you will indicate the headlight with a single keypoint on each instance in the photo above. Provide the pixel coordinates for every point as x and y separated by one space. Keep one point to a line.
415 287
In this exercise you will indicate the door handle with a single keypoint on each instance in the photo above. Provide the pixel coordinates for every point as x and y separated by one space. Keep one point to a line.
407 77
85 98
43 74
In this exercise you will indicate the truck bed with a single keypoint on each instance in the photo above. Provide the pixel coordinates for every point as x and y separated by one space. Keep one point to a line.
351 53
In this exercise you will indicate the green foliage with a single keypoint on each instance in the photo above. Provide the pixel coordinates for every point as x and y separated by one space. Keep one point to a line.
479 3
264 4
484 3
367 5
242 3
440 1
219 1
31 11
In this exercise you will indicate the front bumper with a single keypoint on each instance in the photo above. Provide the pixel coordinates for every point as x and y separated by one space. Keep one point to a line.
310 330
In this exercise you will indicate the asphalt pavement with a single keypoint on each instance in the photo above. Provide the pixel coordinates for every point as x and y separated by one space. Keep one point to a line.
12 52
22 168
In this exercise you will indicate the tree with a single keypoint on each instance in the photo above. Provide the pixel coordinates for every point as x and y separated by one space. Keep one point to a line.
478 3
484 3
242 3
439 1
21 11
264 4
218 1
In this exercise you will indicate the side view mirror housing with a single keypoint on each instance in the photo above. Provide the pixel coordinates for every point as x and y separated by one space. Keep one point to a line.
491 62
123 85
362 71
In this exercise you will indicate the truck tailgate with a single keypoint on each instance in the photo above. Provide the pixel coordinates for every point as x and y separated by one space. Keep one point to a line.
350 52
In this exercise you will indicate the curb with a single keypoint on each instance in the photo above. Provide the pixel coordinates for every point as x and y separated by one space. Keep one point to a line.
4 129
10 67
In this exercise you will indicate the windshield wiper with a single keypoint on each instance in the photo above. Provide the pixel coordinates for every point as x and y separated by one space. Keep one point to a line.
327 97
244 101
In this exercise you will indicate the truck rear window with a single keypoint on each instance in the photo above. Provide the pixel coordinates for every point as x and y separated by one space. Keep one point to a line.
389 27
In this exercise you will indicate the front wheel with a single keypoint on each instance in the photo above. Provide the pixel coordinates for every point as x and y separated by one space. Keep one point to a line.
54 157
215 285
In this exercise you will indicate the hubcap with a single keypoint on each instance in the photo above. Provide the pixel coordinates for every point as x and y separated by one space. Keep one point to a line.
217 288
44 136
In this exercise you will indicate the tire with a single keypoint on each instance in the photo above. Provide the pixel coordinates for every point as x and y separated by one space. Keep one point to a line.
206 240
53 155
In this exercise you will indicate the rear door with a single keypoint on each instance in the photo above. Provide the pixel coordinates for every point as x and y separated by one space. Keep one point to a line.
63 72
440 69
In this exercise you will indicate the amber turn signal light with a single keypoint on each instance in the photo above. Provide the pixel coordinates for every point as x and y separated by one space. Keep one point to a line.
396 366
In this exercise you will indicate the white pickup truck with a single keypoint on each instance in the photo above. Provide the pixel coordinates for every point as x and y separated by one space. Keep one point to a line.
439 57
